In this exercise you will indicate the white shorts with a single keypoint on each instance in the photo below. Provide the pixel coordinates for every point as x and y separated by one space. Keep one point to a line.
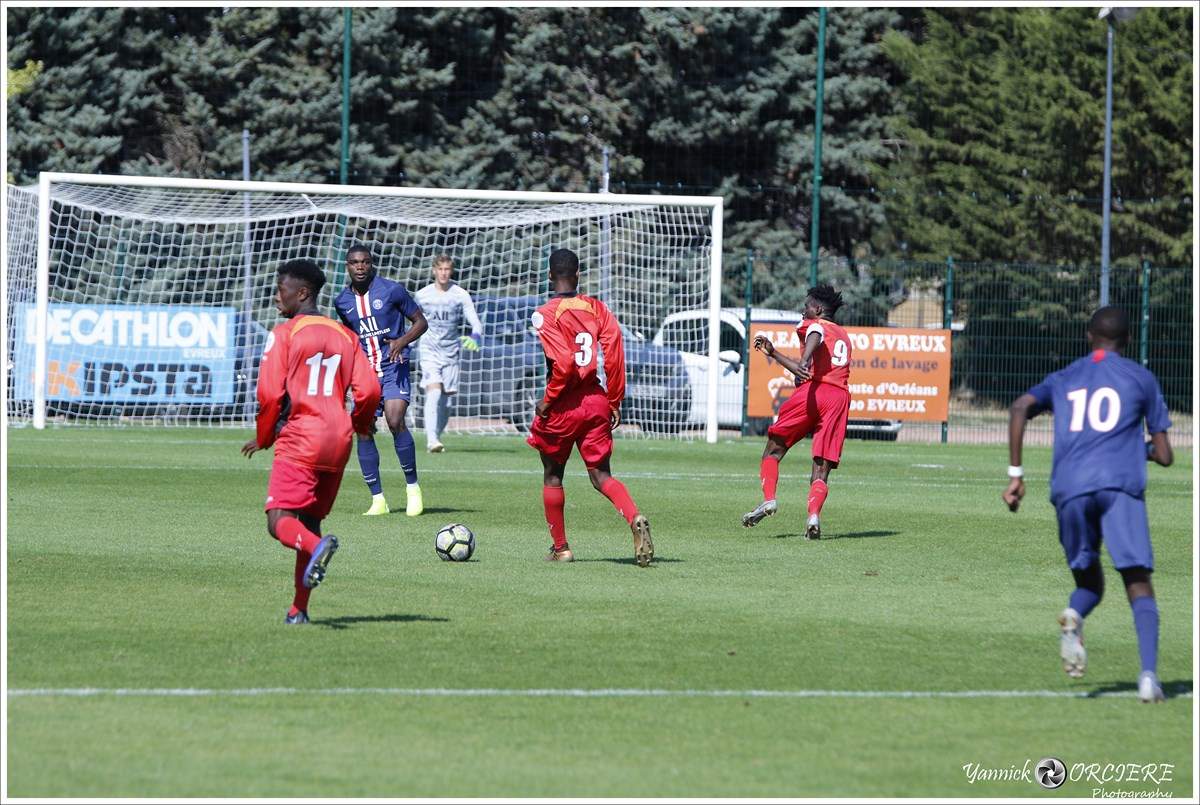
439 371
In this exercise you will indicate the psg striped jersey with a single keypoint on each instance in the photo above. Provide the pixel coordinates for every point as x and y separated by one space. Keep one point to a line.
377 316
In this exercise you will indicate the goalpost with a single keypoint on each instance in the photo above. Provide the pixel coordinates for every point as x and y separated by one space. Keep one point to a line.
147 300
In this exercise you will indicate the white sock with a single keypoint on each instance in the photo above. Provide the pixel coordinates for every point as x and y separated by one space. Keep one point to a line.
443 415
433 398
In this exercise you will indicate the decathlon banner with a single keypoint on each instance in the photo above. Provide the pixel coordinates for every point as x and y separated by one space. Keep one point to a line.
128 353
895 373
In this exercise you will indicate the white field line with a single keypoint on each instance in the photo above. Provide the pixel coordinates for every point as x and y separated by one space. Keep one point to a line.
353 471
567 693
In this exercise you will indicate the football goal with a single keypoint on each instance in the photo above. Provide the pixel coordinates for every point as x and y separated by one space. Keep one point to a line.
147 300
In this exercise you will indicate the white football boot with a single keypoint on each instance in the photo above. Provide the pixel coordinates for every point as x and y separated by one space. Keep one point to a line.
813 530
762 510
1149 690
1074 656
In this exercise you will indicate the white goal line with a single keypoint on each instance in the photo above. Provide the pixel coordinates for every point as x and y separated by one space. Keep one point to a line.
572 693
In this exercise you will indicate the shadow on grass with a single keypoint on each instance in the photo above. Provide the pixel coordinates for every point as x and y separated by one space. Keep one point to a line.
1178 687
629 560
346 621
849 535
472 449
433 510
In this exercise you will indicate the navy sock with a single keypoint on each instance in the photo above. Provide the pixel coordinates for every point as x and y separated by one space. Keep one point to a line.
406 451
1145 621
1083 601
368 461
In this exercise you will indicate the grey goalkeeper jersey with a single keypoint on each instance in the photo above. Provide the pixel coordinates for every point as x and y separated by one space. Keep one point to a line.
445 311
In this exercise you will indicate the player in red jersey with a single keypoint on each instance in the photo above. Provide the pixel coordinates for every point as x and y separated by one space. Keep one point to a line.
308 363
576 409
819 405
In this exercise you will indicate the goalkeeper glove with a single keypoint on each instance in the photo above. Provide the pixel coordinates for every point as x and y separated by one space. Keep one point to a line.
470 342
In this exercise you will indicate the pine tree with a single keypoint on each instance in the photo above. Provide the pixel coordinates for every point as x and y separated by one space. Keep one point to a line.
1002 116
94 92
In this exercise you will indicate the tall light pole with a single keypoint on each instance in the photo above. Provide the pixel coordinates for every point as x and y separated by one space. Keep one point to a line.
347 38
1112 16
814 240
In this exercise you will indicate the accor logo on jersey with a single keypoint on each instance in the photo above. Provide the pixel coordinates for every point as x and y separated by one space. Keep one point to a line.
369 328
439 312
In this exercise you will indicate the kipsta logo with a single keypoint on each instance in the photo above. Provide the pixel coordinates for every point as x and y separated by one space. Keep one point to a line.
1050 772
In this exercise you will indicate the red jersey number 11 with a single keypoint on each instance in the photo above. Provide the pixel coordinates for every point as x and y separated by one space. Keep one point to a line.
314 364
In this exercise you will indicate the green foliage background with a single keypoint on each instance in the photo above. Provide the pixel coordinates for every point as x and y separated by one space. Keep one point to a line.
968 133
971 132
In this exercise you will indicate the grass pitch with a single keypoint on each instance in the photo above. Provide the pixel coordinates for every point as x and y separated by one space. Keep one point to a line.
138 560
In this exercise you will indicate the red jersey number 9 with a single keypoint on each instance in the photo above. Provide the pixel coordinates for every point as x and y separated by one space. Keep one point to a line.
840 353
583 355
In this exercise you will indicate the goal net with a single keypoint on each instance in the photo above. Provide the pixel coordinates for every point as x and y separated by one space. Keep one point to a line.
139 300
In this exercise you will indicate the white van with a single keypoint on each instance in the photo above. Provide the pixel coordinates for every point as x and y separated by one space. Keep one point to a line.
687 331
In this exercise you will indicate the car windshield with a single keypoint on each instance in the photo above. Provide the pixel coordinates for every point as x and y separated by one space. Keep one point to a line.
686 335
507 319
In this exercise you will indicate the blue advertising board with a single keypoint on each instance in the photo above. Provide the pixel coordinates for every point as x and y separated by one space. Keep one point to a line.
130 353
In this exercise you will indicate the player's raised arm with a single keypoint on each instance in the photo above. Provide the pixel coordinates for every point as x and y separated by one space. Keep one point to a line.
764 345
816 334
272 385
613 345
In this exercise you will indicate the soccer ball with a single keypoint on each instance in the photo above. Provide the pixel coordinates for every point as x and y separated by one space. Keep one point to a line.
454 543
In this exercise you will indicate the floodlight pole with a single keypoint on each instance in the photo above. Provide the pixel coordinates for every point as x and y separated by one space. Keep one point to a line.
820 108
344 162
1105 238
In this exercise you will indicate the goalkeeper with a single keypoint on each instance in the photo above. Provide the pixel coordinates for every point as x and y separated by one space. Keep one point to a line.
446 304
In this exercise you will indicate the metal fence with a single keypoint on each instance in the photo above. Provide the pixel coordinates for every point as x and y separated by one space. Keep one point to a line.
1012 324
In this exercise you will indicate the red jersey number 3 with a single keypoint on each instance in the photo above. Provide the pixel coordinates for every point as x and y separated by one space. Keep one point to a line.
585 354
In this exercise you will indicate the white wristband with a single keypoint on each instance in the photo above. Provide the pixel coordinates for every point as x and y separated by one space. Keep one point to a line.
1015 471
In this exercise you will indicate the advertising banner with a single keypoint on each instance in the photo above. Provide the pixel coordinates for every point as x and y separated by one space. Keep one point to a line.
895 373
130 354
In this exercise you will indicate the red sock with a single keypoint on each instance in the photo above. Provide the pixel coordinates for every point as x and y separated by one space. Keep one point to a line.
300 602
768 470
292 534
615 491
554 498
816 496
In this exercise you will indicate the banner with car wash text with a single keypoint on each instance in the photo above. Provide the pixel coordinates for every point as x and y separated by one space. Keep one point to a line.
895 373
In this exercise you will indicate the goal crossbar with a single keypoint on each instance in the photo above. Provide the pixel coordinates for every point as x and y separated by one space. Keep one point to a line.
310 191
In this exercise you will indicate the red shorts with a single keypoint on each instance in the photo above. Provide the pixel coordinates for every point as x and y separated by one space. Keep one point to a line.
583 421
819 409
302 489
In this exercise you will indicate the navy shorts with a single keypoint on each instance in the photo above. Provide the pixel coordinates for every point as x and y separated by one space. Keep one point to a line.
395 385
1109 516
